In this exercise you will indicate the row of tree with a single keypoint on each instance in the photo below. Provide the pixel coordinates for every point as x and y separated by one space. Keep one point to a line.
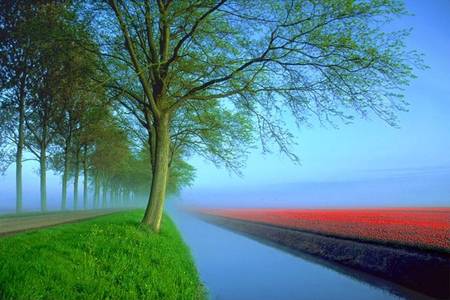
54 110
139 86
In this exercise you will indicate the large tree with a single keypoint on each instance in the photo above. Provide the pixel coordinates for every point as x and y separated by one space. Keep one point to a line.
259 59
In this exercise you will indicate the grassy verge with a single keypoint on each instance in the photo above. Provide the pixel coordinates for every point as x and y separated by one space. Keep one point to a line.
106 258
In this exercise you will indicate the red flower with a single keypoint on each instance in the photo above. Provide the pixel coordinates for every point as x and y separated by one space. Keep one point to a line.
422 227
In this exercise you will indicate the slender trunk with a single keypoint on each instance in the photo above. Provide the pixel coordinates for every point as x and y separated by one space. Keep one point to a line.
111 196
20 145
43 175
116 198
96 191
154 210
19 179
104 194
64 179
124 197
85 178
75 178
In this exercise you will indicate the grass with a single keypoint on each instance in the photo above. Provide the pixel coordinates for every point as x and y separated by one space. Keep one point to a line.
110 257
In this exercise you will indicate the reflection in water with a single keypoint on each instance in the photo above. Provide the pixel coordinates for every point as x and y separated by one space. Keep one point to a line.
235 267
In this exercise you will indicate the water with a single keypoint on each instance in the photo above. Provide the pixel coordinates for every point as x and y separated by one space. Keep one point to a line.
235 267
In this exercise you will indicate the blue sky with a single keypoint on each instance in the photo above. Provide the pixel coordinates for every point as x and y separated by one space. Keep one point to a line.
368 152
367 163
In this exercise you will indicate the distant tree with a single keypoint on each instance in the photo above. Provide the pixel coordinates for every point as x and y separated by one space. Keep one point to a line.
90 124
110 156
261 59
73 102
56 71
6 153
16 62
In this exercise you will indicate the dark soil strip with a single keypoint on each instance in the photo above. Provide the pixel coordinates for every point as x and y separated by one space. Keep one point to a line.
410 273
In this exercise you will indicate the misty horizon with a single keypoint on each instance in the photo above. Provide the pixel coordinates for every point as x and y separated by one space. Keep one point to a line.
402 187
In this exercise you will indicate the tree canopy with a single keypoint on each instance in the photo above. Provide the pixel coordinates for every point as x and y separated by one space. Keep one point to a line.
239 67
214 77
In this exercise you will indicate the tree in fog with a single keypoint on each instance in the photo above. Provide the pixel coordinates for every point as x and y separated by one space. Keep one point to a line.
54 80
73 104
16 62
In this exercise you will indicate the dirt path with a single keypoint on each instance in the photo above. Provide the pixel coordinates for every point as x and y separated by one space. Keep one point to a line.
10 225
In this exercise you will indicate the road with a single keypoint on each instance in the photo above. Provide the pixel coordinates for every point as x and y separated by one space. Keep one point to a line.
12 224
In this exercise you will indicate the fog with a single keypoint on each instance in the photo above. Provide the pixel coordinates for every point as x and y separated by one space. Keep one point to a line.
388 188
426 188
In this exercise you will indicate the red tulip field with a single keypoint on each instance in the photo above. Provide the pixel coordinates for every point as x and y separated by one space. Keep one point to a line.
419 227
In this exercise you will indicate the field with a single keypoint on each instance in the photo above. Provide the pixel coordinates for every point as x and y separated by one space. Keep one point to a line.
427 228
109 257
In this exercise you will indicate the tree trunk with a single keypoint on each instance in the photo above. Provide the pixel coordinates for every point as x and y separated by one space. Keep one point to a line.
20 145
96 191
75 178
126 197
43 175
111 196
155 206
152 144
64 180
85 179
115 197
104 194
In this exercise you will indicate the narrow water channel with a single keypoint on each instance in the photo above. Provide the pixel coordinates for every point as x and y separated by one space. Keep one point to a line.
233 266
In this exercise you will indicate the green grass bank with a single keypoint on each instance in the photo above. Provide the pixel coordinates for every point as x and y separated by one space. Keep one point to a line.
109 257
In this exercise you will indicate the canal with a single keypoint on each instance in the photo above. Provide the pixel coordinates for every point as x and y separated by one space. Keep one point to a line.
233 266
